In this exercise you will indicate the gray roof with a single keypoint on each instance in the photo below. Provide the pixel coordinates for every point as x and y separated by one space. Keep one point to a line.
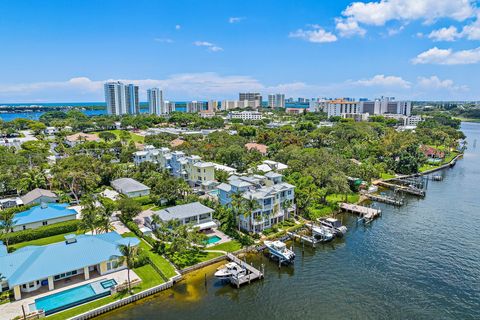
225 187
128 185
183 211
272 174
37 193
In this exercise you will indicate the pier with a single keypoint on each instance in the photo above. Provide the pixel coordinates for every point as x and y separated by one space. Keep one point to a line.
367 214
303 238
385 199
406 189
251 272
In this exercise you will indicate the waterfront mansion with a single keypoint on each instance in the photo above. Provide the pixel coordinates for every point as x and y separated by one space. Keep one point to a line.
274 199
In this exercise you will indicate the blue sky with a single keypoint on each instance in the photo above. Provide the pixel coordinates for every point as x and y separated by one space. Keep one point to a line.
63 51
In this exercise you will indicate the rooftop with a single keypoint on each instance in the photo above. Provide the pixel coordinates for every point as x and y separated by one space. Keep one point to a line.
42 213
39 262
37 193
183 211
128 185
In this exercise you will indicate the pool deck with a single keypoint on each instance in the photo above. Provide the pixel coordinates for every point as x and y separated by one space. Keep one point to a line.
215 232
14 309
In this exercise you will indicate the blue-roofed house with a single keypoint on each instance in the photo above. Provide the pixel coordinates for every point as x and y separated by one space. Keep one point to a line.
43 215
30 268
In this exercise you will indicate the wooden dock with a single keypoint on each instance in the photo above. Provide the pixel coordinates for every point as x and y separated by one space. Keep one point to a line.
304 238
405 189
384 199
251 272
367 214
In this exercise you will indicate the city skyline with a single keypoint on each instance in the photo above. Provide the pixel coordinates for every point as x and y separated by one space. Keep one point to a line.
321 49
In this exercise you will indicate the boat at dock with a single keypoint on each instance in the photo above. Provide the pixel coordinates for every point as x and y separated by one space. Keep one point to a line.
334 225
279 250
322 233
231 269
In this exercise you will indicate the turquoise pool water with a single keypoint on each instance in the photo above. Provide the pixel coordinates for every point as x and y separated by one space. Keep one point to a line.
72 297
213 239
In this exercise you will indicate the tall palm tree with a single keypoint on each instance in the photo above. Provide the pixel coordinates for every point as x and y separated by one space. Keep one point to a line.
33 179
89 217
7 221
104 222
128 256
251 205
238 206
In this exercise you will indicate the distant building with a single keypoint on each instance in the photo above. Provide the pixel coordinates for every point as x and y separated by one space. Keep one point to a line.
245 115
121 99
234 104
257 146
254 99
130 187
295 110
276 101
156 104
10 202
269 165
357 117
81 137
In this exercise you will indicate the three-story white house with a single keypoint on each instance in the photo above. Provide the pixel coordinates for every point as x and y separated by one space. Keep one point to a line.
273 199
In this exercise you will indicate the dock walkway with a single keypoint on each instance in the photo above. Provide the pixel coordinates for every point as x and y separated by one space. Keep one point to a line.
384 199
366 213
251 272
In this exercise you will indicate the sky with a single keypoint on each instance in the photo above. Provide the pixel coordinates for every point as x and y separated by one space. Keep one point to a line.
64 50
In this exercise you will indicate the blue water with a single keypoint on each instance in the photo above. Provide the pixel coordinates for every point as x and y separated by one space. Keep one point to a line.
419 261
36 115
108 283
64 298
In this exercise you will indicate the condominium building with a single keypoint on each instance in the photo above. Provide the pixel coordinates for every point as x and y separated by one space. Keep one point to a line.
254 99
276 101
121 99
169 106
274 199
156 104
196 106
381 106
245 115
386 105
234 104
335 108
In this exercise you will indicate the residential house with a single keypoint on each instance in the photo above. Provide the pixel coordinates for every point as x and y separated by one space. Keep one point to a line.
270 165
37 196
43 215
10 202
273 199
194 213
74 139
257 146
32 267
130 187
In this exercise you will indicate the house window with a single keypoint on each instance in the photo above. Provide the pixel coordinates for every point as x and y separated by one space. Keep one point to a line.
44 223
24 227
289 192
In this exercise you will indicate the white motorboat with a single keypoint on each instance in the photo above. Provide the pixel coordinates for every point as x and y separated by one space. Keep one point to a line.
322 233
334 225
280 250
229 270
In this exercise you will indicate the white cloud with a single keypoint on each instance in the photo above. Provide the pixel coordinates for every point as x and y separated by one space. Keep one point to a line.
348 27
178 27
435 83
444 34
316 35
395 31
235 19
163 40
210 46
448 56
378 13
381 80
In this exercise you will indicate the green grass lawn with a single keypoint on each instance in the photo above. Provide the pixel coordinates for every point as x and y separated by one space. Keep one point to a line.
149 276
386 176
335 198
163 264
230 246
42 241
205 256
133 137
427 166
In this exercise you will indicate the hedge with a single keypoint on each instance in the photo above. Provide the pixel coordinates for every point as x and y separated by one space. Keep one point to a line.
42 232
134 228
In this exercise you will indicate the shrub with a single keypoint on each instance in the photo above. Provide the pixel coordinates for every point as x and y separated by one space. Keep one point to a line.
42 232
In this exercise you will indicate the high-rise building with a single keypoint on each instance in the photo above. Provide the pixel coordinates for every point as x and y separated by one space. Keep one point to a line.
254 99
156 104
276 101
121 98
133 102
195 106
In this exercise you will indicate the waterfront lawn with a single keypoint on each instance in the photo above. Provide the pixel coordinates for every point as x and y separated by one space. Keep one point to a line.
336 198
230 246
386 176
428 166
163 264
41 241
149 276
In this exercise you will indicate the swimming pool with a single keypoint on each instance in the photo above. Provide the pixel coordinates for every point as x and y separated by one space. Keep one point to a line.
213 239
72 297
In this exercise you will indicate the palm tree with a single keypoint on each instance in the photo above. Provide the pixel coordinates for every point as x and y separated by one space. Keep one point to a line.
104 222
251 205
89 217
33 179
238 206
129 256
7 221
